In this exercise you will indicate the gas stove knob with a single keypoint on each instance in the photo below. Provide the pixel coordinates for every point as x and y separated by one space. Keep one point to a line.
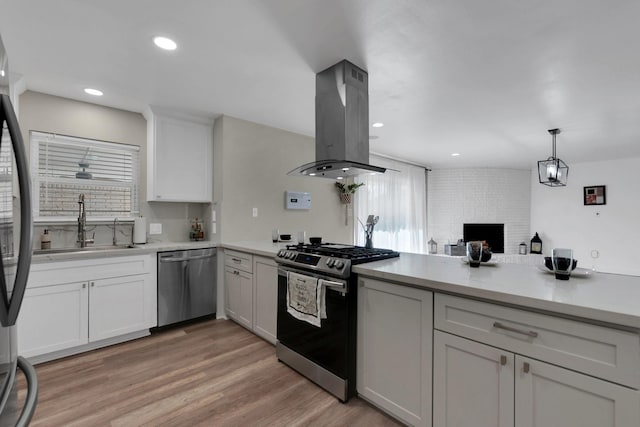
339 264
330 262
288 255
281 253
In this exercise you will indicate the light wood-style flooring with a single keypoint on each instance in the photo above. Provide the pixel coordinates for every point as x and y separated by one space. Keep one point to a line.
213 373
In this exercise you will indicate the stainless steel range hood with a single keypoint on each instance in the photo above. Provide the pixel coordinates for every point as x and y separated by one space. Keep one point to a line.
342 124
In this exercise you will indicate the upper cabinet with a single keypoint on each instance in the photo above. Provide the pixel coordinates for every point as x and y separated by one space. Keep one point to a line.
179 157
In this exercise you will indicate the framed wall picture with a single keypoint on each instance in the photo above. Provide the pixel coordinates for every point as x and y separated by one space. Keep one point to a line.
595 195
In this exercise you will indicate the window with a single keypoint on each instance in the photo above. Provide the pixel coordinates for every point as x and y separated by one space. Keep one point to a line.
6 192
399 198
63 167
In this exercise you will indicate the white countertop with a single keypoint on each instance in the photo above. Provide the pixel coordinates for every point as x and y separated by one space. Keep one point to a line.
256 247
610 298
135 250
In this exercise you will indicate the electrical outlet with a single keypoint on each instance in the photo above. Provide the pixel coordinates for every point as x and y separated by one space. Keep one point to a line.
155 228
255 212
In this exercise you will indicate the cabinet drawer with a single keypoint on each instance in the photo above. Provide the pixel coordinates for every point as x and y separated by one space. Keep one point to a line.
600 351
238 260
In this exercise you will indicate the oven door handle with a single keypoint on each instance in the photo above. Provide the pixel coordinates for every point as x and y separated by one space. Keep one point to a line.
340 287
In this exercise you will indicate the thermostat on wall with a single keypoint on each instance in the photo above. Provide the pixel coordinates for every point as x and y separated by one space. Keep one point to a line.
297 200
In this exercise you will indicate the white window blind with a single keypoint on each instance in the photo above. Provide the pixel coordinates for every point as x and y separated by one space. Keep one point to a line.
64 167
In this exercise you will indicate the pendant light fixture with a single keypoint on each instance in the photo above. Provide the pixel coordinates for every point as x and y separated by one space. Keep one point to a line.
553 171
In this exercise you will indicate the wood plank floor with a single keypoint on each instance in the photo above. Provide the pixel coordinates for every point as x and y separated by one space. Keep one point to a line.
213 373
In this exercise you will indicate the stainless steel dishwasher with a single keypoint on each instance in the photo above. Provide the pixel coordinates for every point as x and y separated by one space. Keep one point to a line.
186 285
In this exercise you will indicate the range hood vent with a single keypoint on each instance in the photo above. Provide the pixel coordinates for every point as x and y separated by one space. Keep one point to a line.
342 124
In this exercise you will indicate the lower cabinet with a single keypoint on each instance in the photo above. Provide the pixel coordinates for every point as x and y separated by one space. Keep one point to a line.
53 318
239 296
395 325
59 316
265 313
477 385
251 292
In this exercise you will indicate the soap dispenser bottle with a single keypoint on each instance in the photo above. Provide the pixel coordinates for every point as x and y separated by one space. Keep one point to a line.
45 239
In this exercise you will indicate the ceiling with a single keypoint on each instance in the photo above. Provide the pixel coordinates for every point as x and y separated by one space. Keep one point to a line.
483 79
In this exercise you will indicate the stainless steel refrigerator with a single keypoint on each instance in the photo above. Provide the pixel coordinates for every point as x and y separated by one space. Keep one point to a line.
16 231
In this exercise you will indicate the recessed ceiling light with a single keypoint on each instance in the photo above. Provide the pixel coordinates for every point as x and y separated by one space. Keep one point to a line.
455 154
1 73
165 43
312 174
94 92
377 125
339 177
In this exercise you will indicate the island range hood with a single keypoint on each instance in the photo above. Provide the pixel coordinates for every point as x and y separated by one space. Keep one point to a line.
342 124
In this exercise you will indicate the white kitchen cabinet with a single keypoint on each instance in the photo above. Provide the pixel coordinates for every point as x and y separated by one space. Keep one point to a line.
548 395
472 383
471 378
265 315
118 306
179 158
395 325
53 318
74 306
239 296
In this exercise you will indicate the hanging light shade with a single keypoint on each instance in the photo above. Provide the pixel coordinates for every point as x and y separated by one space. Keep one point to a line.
553 171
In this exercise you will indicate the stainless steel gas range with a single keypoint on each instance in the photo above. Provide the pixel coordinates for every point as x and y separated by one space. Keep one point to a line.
319 340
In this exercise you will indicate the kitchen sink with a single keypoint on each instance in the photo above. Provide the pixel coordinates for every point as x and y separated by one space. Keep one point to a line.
86 249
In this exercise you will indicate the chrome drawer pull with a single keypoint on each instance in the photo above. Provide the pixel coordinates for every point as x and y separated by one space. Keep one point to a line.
531 334
236 260
503 359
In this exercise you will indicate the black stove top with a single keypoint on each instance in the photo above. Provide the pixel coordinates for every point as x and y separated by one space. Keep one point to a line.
357 254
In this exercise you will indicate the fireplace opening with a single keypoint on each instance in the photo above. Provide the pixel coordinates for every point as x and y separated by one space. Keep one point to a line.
492 233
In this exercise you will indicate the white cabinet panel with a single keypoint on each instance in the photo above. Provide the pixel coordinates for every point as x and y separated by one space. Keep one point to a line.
548 396
394 349
239 296
180 159
472 383
117 306
53 318
266 298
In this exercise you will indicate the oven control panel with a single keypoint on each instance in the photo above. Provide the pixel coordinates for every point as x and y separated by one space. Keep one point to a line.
320 263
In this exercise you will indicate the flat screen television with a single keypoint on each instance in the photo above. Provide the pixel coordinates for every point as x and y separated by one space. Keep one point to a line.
492 233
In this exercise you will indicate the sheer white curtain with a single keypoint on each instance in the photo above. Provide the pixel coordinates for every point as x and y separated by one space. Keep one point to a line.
400 200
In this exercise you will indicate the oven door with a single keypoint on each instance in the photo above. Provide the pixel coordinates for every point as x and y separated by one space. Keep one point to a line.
332 345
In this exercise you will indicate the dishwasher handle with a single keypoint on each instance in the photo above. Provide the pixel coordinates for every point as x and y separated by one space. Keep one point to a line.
173 258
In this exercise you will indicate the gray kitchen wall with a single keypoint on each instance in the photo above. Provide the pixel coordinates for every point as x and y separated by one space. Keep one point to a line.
478 195
251 162
48 113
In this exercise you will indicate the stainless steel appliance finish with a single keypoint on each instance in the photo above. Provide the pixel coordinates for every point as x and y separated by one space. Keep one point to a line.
325 355
186 285
15 272
342 124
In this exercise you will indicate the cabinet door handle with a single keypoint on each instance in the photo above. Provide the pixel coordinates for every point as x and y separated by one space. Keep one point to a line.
531 334
84 286
236 272
236 260
93 284
526 368
503 359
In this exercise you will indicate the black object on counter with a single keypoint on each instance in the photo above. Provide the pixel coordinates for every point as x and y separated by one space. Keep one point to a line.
536 245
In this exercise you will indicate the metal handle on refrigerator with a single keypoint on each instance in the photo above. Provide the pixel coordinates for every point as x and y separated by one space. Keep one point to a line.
26 221
29 407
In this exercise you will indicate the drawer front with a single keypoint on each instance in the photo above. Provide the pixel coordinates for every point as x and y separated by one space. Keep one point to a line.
600 351
238 260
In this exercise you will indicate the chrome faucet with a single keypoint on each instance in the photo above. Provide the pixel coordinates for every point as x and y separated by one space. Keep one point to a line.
82 223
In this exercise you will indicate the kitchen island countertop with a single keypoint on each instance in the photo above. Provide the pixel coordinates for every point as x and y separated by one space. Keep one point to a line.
608 298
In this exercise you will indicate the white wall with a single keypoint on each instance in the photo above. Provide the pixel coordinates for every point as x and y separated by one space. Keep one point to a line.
251 162
562 220
458 196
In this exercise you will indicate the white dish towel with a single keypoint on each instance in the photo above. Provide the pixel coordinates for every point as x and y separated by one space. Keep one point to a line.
306 298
